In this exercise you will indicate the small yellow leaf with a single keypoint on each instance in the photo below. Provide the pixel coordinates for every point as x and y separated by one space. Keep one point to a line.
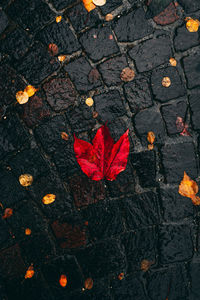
166 82
89 101
30 272
58 19
48 198
188 187
25 179
30 90
192 25
63 280
22 97
61 58
27 231
109 17
173 62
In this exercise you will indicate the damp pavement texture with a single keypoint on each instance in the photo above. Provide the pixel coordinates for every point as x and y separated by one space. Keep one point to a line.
134 238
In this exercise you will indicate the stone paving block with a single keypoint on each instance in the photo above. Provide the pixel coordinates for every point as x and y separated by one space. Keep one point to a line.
34 111
60 93
167 16
159 283
86 191
84 77
60 4
5 235
80 118
29 162
61 35
11 191
175 243
50 184
10 84
13 136
192 70
185 39
26 215
140 245
195 108
3 21
80 18
144 164
106 257
172 201
31 15
172 113
176 159
111 70
147 120
99 290
37 64
64 265
50 133
16 43
194 270
190 5
132 26
138 94
104 219
99 43
129 288
162 93
110 6
109 105
141 210
151 53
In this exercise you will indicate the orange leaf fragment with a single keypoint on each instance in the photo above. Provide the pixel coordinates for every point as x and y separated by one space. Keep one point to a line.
145 265
121 276
53 49
189 188
64 136
61 57
49 198
88 283
58 19
63 280
7 213
30 272
27 231
30 90
173 62
25 179
151 137
22 97
89 5
192 25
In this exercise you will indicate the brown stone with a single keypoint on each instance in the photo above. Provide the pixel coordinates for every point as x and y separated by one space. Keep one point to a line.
167 16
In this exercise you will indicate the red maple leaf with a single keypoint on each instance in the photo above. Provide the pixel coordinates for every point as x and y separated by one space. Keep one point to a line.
103 158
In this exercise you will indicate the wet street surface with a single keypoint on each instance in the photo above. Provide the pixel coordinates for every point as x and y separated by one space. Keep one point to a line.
67 68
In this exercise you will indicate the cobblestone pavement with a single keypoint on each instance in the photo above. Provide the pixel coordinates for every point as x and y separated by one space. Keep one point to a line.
134 238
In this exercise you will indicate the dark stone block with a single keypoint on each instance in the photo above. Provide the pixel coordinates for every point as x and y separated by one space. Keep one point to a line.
60 4
195 108
16 44
86 191
109 105
151 53
100 290
37 64
159 283
84 77
99 43
132 26
171 114
80 18
140 245
50 184
3 21
60 93
141 210
12 136
175 90
172 201
192 70
149 120
62 266
4 234
194 281
11 191
110 6
104 219
37 249
111 70
49 133
129 288
26 215
29 162
176 159
117 128
103 258
190 5
34 111
138 94
145 165
185 39
32 14
175 243
80 118
10 84
61 35
156 7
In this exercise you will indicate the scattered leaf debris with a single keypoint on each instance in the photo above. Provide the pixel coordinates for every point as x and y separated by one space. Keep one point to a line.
49 198
25 179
